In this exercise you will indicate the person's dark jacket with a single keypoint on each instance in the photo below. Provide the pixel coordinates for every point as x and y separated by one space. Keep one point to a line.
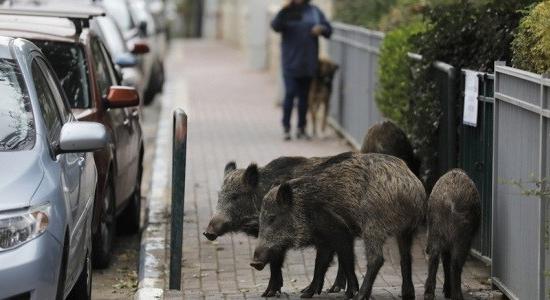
300 48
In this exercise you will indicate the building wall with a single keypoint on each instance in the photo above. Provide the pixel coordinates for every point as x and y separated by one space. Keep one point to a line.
245 24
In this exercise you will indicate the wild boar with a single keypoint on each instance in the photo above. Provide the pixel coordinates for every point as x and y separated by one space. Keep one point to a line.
371 196
387 138
240 200
453 218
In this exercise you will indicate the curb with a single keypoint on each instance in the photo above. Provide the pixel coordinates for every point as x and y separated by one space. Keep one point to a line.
153 255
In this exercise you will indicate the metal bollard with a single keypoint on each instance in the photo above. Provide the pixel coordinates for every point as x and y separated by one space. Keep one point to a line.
179 157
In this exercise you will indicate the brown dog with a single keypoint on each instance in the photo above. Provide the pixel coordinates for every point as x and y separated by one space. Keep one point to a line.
320 92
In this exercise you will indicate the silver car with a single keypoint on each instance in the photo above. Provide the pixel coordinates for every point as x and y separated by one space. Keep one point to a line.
47 181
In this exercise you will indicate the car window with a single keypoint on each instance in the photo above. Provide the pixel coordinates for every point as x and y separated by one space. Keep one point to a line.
48 107
59 96
141 13
69 63
112 36
110 66
101 66
118 9
17 128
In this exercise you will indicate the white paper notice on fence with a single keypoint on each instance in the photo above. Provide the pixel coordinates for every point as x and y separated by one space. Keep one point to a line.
471 89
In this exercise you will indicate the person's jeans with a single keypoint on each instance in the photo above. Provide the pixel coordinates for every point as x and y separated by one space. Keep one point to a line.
296 87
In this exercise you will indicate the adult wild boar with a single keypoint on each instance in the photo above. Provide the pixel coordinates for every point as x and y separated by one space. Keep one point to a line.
453 220
371 196
387 138
240 200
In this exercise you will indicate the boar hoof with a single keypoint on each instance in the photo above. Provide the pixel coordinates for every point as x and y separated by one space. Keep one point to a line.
336 288
308 294
429 296
408 295
271 293
350 293
447 292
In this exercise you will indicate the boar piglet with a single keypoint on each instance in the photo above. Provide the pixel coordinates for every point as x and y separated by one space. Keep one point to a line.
371 196
241 196
387 138
453 220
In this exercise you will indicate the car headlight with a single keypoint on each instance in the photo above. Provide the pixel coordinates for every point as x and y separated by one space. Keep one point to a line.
18 228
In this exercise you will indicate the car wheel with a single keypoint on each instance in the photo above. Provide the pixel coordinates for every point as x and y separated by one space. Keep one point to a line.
60 295
82 289
156 83
130 218
103 239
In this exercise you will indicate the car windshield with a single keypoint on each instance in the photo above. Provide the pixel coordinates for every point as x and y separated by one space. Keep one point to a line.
16 118
69 63
118 9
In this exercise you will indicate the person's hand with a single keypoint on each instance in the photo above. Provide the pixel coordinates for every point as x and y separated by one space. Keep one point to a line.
317 30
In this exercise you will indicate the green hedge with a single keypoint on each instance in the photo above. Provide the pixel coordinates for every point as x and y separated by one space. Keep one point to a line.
395 84
531 47
366 13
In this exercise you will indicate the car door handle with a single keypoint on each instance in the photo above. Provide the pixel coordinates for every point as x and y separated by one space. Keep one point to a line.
126 122
135 113
82 161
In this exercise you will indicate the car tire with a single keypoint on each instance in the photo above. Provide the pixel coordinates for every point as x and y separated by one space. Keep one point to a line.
156 83
60 295
105 235
130 219
82 289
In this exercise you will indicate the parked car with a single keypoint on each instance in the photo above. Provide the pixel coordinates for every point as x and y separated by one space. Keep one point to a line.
124 58
89 78
137 23
48 181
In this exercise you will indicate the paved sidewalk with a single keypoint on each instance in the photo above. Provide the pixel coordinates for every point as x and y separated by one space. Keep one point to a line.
232 116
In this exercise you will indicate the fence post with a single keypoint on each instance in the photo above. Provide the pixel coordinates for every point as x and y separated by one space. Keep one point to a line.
179 156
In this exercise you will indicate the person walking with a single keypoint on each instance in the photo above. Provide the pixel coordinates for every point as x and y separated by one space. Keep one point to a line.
300 24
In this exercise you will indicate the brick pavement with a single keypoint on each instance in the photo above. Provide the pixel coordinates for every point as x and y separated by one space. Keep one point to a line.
232 116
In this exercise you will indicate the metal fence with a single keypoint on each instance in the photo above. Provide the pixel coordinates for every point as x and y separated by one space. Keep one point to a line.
352 106
520 233
475 156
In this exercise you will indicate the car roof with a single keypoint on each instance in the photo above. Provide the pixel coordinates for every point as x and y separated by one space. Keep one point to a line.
48 21
37 28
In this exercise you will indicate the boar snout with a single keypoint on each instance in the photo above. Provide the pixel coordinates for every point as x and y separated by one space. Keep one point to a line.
216 227
261 257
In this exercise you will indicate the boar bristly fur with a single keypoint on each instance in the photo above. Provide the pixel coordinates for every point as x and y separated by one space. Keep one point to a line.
371 196
453 219
240 200
387 138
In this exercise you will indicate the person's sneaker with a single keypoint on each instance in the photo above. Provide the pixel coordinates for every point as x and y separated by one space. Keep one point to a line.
286 136
302 134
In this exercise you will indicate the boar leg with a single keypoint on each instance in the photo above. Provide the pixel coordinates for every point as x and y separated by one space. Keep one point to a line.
276 279
346 260
446 258
322 262
429 288
340 281
458 259
375 260
404 241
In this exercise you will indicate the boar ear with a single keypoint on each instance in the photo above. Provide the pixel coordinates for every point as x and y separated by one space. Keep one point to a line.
231 166
251 176
284 195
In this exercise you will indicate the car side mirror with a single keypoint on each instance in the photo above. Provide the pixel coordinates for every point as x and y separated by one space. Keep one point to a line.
79 137
126 60
140 48
122 96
